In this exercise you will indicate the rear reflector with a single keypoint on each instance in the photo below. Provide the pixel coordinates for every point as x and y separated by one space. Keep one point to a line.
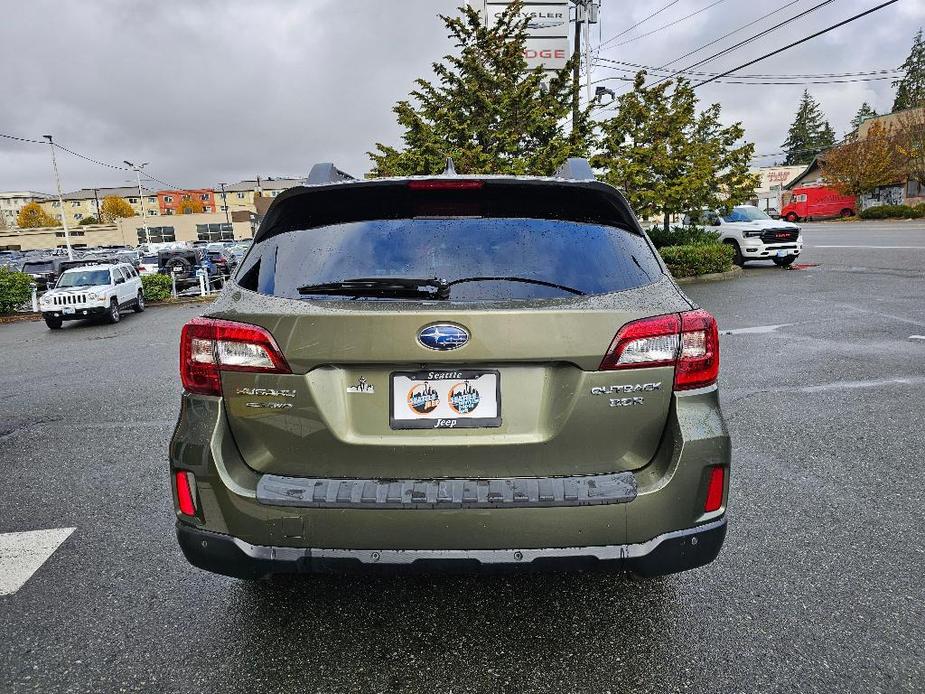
209 346
186 482
715 490
445 184
688 341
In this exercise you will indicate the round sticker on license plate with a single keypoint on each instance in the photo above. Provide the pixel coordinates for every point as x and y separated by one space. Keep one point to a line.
445 399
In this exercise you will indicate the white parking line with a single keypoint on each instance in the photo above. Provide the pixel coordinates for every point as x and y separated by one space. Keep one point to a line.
917 337
22 554
903 248
756 330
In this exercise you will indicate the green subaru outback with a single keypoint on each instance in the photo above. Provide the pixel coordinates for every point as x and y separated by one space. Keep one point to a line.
450 372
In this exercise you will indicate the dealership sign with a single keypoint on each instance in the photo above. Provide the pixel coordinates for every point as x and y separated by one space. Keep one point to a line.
547 31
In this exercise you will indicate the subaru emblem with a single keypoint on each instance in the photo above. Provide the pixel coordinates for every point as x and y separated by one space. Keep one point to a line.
443 337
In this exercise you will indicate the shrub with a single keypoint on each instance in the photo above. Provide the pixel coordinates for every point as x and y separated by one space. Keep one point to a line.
893 212
682 236
156 287
698 258
15 289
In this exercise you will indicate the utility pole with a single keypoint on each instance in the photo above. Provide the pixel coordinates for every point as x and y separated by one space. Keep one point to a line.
99 214
144 214
225 203
576 68
54 163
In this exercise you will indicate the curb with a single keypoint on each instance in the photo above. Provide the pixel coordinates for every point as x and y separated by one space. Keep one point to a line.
732 274
25 317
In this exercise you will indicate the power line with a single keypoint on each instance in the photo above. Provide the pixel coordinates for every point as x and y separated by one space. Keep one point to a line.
671 24
601 44
817 75
797 43
734 31
753 37
791 83
21 139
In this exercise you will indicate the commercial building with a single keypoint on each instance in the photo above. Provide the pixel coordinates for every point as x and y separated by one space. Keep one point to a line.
773 180
130 231
12 202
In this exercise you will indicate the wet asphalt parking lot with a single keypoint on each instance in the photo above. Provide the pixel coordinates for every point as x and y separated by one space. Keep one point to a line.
819 587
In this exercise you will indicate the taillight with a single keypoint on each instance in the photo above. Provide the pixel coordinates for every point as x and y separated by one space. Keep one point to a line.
688 341
445 184
186 483
715 489
209 346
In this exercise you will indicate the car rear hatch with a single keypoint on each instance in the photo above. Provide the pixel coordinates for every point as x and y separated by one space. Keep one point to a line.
488 377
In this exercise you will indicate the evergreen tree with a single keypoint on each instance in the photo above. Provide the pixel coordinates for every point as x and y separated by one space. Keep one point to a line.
864 113
667 158
809 133
485 109
910 88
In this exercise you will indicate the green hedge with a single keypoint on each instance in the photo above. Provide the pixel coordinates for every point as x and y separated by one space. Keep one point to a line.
682 236
15 289
156 287
698 258
893 212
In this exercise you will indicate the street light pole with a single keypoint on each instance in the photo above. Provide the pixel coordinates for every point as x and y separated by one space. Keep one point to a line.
144 214
225 203
54 164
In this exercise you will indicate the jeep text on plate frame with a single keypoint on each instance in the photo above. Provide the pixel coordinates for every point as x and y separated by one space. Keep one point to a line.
445 379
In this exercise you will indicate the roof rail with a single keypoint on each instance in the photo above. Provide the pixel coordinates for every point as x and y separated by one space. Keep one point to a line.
326 172
575 168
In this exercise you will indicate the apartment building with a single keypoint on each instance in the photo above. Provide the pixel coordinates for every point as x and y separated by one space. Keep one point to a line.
12 202
86 202
242 196
172 202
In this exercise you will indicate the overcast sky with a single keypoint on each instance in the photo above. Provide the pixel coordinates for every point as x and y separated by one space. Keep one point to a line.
212 90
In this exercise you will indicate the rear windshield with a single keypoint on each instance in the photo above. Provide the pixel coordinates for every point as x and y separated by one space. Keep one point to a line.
587 258
38 266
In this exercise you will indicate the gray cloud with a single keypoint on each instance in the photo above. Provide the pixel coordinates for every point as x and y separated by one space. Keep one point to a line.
210 90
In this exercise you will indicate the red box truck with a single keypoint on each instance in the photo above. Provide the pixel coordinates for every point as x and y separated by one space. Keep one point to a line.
817 202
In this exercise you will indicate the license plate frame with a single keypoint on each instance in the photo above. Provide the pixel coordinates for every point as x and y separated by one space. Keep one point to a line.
449 378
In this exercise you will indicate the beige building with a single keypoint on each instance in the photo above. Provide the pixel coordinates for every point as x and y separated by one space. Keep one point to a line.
84 203
242 196
12 202
130 231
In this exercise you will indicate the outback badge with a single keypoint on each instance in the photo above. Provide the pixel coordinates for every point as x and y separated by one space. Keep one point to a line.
443 337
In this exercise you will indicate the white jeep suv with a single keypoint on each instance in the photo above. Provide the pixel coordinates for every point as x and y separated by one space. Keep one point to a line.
754 235
93 290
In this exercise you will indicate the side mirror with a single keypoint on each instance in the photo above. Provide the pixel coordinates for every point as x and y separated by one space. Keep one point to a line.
716 222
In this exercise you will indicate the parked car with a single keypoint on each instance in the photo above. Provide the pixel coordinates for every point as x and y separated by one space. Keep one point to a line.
450 372
44 270
148 264
818 202
183 263
753 234
93 291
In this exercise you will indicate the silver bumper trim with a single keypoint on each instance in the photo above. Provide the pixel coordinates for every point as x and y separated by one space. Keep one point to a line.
484 556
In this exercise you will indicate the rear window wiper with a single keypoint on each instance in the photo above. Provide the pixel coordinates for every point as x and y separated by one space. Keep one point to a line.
390 287
525 280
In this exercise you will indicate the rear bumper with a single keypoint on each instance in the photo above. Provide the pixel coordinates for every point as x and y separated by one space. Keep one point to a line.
670 552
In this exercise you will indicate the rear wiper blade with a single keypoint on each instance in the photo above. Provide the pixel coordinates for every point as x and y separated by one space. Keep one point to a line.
525 280
391 287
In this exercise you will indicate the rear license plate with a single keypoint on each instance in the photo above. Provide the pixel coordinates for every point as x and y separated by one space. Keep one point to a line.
68 310
445 399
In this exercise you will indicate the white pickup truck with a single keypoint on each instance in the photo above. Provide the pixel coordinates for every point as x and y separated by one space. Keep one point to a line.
93 291
754 235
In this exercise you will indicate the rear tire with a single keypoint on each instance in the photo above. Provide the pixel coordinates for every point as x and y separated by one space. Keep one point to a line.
113 315
792 217
784 262
140 302
846 213
737 258
53 323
